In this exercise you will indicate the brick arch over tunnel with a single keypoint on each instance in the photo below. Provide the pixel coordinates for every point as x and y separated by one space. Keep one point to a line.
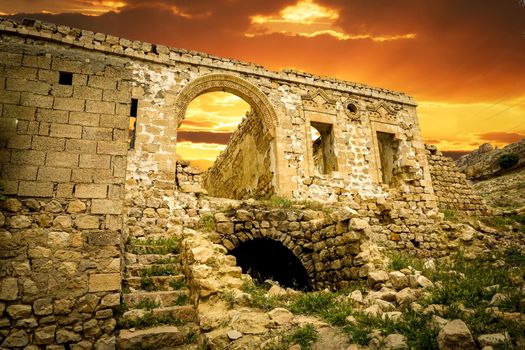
275 244
234 85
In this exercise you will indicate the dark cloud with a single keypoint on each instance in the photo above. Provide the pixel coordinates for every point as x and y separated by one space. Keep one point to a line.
503 137
204 137
468 50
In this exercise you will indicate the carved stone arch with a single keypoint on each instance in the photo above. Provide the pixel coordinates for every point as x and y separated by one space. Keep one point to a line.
233 241
234 85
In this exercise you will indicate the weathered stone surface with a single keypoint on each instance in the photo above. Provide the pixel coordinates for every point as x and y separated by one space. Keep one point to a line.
104 282
234 334
456 335
66 336
376 277
76 206
12 205
494 339
395 341
19 222
19 311
281 316
45 335
43 307
9 289
16 338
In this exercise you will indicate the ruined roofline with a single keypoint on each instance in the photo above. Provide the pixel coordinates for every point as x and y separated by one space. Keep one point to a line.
166 55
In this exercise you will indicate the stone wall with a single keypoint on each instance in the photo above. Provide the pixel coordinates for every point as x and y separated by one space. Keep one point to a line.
243 170
451 186
62 163
327 243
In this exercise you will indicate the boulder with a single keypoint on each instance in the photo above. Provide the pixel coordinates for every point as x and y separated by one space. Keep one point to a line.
395 342
456 335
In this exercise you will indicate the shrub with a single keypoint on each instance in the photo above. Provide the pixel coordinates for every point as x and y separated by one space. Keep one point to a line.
507 161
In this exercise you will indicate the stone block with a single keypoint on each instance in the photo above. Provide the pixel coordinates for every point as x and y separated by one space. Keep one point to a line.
62 159
51 116
43 307
66 65
20 172
87 93
11 97
66 130
83 118
19 142
35 189
54 174
102 82
112 147
48 143
102 238
34 100
19 112
69 104
81 146
114 121
106 206
28 157
94 161
36 61
100 107
104 282
91 191
97 133
9 289
87 222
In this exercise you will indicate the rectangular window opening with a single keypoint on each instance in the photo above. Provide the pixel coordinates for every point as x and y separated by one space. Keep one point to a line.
132 129
325 161
387 154
65 78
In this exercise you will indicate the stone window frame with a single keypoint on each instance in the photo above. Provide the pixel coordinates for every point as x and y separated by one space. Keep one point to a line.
318 117
376 170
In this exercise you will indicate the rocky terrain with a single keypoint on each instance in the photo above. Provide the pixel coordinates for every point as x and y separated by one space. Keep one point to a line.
506 192
484 162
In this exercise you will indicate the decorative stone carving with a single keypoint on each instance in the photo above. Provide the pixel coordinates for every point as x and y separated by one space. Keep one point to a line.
319 101
232 84
383 112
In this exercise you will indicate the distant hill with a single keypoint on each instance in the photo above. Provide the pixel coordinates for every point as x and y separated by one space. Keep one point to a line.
484 162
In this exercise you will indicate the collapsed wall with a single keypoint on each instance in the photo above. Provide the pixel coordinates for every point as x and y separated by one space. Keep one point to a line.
451 186
244 169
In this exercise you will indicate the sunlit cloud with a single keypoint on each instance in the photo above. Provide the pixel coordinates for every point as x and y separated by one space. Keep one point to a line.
463 126
308 19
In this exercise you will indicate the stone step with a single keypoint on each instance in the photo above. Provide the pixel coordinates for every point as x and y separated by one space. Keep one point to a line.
147 259
151 249
161 299
139 270
155 283
162 338
184 313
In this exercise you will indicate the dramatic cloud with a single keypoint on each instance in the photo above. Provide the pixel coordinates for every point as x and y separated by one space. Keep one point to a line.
461 60
502 137
204 137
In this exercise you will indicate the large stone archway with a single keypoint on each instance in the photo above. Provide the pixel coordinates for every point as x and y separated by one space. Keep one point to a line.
234 85
259 103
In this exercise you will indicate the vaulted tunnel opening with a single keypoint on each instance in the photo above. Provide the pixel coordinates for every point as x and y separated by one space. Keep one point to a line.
265 259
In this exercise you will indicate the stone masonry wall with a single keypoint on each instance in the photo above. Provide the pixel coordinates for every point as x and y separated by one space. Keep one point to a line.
243 169
62 165
451 186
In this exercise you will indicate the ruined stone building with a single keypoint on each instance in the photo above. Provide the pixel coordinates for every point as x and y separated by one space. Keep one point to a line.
81 181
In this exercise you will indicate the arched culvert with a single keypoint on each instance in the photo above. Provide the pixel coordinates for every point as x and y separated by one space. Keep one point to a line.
268 259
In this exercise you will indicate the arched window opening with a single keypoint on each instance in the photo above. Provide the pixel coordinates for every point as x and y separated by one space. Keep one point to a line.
226 145
265 259
210 121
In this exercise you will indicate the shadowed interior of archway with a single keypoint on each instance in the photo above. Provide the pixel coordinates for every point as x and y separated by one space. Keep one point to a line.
268 259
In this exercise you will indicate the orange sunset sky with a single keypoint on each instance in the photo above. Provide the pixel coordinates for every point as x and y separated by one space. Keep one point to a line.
462 60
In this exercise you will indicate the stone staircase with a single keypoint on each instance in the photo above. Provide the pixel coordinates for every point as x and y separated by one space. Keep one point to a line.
157 312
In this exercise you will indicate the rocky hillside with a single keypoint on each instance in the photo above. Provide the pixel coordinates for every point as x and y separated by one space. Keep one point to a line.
487 161
506 192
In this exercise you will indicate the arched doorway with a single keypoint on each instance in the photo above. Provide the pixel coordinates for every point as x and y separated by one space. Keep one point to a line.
256 159
268 259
